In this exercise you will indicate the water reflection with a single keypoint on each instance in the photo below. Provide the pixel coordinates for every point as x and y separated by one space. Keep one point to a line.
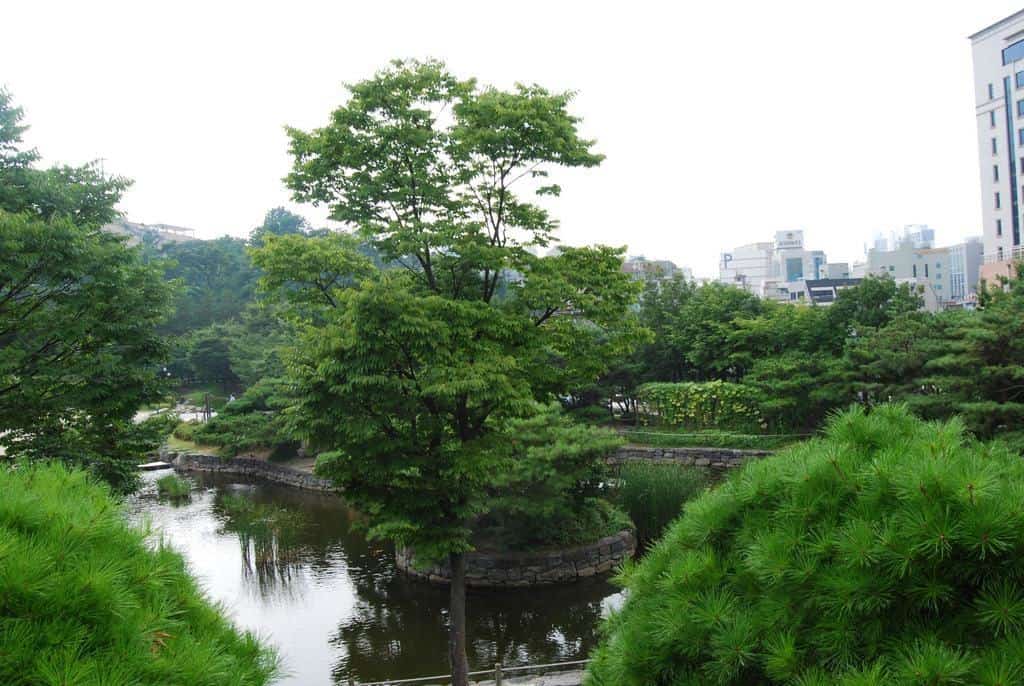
290 565
269 542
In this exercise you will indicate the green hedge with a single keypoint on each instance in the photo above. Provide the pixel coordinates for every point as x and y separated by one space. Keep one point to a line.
707 405
890 551
85 600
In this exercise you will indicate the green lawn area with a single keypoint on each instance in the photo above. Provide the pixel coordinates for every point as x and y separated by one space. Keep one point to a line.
181 445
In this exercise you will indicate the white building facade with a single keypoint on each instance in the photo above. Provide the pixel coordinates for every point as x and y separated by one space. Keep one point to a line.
998 52
747 266
777 270
947 277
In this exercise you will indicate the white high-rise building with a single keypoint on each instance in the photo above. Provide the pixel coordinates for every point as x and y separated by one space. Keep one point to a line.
999 109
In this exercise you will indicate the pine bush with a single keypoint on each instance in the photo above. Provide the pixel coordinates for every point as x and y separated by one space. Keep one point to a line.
888 551
85 600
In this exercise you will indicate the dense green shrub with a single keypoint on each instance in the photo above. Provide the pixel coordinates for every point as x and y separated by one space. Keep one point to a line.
712 404
591 414
654 494
890 551
252 422
553 491
84 600
186 431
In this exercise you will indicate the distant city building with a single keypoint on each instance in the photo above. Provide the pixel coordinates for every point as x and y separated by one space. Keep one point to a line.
998 52
945 276
966 260
918 235
825 291
775 270
747 266
157 233
837 270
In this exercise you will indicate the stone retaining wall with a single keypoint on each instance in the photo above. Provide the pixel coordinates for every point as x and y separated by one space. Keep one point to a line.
519 570
247 466
719 459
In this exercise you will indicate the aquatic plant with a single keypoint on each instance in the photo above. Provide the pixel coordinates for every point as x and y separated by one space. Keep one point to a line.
654 494
173 486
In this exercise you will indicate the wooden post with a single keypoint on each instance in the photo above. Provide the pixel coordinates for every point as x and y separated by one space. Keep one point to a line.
497 674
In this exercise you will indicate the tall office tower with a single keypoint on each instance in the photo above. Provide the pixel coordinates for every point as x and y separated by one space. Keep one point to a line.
999 108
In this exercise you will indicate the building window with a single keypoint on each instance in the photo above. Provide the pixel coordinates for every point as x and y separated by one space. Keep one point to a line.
992 118
995 173
1020 108
998 203
1013 52
1020 136
1019 78
999 253
991 92
926 271
913 270
794 269
999 227
995 147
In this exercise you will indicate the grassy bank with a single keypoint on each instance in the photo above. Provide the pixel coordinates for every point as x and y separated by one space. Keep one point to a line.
84 600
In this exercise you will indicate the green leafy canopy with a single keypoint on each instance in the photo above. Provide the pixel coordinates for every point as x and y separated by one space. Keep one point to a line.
410 376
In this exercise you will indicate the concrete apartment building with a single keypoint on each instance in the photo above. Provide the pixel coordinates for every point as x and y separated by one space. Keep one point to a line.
947 276
998 52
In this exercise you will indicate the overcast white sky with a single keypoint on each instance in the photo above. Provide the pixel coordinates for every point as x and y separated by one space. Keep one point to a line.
722 122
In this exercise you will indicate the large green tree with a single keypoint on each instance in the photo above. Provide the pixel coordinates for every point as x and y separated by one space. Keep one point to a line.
979 372
411 378
218 281
78 311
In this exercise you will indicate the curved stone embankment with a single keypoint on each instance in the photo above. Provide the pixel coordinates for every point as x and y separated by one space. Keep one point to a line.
520 570
719 459
247 466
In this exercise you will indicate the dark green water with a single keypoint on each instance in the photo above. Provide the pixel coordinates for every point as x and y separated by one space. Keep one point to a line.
334 604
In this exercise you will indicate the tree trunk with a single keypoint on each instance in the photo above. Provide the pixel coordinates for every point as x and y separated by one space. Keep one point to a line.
457 619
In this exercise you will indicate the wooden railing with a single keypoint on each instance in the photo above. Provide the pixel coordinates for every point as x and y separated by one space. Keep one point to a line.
497 674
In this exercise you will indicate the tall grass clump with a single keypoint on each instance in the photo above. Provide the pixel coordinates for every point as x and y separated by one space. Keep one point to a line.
173 486
888 551
85 601
654 494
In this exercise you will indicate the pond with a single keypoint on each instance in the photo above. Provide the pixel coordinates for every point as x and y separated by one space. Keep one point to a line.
333 603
